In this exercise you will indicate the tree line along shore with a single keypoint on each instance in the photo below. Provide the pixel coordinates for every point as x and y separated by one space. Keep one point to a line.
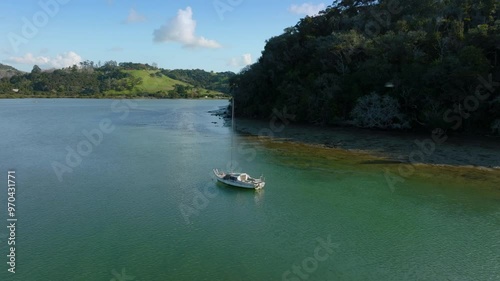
414 65
113 80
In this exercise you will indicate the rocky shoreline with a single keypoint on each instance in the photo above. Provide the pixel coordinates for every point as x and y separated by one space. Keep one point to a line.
397 147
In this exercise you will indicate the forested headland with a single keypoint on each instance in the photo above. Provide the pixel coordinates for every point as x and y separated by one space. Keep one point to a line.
113 80
389 64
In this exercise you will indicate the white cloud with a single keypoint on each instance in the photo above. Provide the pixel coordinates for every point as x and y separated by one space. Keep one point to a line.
59 61
244 60
182 29
29 59
308 9
134 17
247 59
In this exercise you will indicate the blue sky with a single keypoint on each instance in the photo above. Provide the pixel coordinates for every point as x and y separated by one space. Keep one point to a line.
216 35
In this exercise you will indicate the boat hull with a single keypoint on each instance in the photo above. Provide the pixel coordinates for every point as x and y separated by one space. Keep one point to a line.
236 184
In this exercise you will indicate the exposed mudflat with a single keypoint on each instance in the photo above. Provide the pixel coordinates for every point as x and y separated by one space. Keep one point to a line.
387 147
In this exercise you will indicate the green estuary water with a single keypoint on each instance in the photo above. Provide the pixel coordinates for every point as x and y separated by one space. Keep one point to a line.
122 190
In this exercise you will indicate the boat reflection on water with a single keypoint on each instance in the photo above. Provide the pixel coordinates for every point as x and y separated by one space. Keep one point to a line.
259 196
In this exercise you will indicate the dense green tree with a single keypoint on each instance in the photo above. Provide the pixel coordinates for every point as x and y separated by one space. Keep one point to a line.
88 79
427 55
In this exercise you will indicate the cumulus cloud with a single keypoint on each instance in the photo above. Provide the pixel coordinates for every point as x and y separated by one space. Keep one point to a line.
134 17
29 59
244 60
59 61
181 29
308 9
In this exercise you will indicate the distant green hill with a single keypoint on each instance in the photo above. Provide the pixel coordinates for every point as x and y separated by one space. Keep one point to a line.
8 71
112 80
154 83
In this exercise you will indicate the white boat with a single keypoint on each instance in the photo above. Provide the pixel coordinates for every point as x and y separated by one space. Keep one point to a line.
239 180
242 180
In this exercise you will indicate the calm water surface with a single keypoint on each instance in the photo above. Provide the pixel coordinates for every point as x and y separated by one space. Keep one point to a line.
141 203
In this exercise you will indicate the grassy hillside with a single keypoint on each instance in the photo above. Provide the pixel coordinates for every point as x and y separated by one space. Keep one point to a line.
111 80
157 84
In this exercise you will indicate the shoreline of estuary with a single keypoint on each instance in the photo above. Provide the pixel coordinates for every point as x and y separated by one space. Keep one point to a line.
388 146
